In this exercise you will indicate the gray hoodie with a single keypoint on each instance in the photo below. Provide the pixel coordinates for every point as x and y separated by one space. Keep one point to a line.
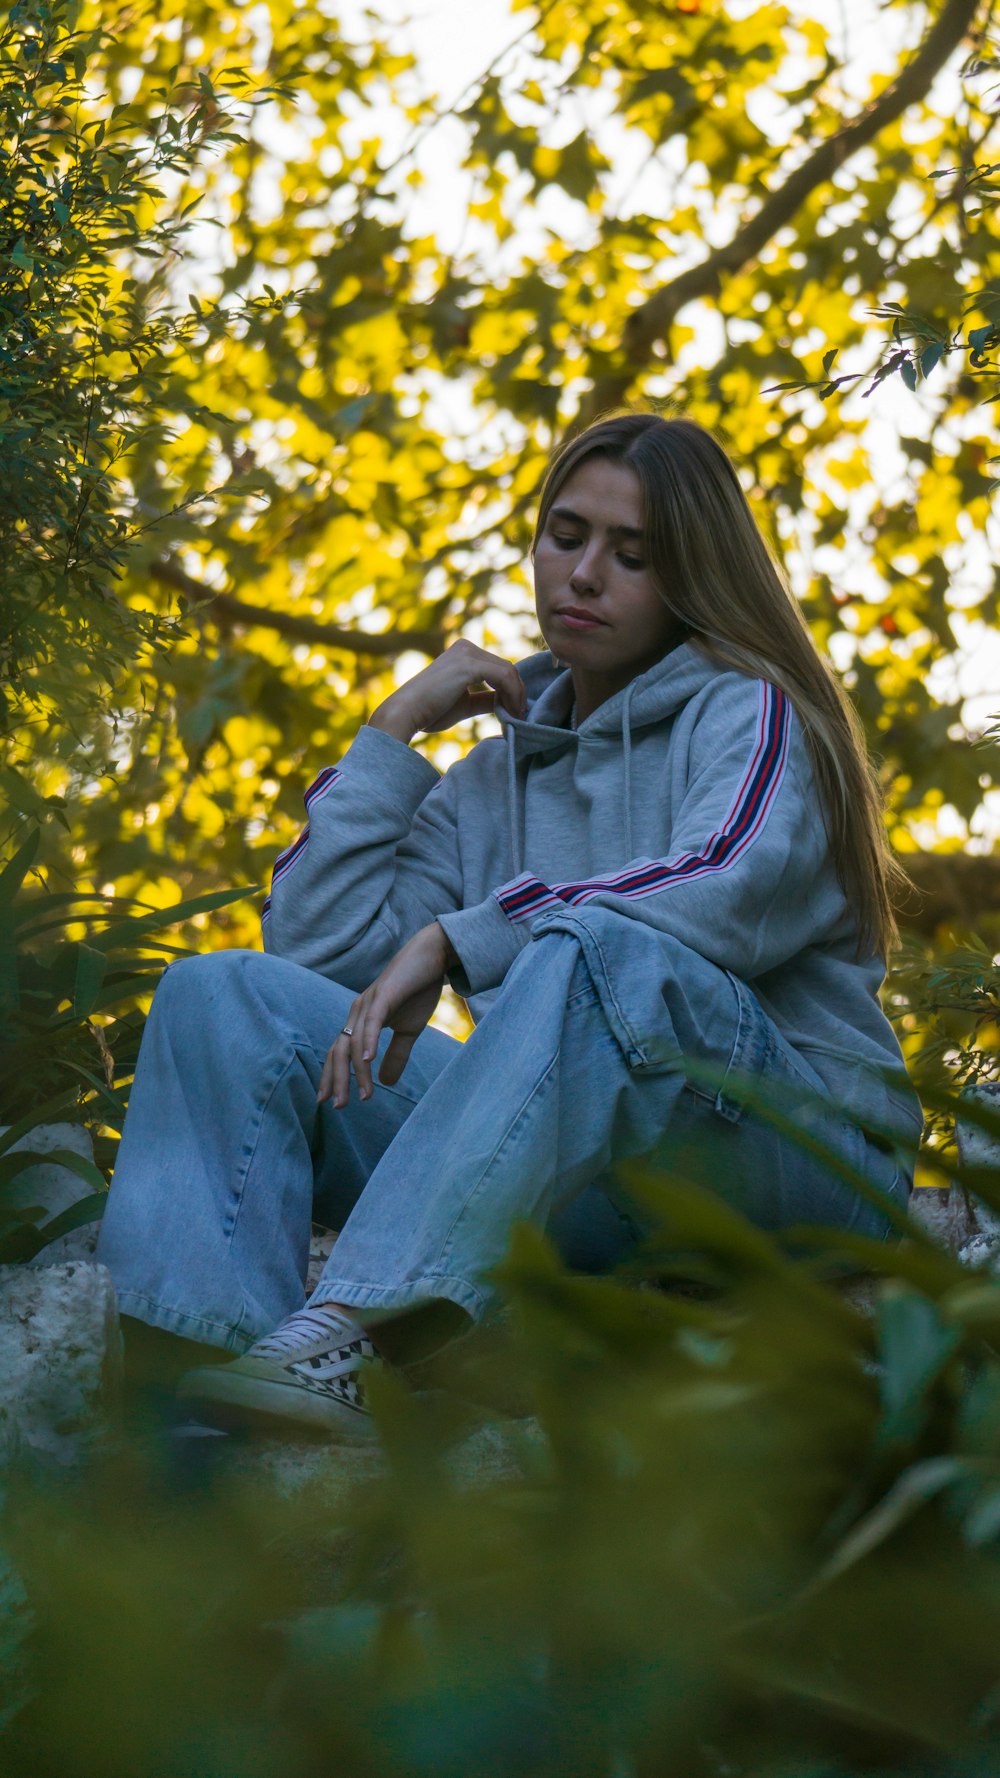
684 805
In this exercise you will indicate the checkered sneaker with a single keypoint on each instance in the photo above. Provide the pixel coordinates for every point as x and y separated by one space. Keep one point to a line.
308 1371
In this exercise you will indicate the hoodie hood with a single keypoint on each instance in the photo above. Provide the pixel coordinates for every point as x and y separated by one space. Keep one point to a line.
649 698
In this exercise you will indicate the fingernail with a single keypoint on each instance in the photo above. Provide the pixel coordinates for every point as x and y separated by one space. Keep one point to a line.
369 1054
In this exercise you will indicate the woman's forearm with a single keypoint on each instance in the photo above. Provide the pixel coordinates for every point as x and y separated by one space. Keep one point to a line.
393 719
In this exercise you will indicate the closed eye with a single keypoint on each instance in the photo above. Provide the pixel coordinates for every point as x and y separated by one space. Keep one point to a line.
563 540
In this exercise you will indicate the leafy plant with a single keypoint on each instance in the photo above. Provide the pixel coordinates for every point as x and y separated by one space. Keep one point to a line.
95 210
743 1532
945 1003
87 340
70 1024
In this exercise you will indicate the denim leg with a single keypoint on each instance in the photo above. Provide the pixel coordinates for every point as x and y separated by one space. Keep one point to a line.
545 1095
225 1152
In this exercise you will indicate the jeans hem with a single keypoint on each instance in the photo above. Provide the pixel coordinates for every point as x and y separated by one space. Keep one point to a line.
430 1288
183 1322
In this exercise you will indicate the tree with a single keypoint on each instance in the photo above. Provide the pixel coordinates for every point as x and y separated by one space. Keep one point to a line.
769 201
83 358
84 354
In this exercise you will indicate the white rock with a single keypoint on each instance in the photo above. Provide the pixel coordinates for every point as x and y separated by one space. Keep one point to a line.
977 1224
60 1360
55 1187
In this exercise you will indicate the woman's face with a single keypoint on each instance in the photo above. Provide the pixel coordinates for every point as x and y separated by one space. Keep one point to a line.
598 609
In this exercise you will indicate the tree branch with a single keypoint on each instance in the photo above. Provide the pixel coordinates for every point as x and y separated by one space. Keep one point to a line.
385 643
648 325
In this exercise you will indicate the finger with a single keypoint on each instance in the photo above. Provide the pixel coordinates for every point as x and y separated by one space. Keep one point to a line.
326 1079
333 1082
509 687
471 703
480 703
395 1059
341 1053
364 1045
339 1059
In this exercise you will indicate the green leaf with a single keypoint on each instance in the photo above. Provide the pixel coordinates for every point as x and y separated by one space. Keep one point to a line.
127 989
51 1111
129 929
16 869
11 1165
915 1345
100 1087
908 1494
982 1521
91 967
23 796
85 1210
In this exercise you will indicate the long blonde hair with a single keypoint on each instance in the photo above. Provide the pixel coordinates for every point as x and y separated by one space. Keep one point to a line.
714 571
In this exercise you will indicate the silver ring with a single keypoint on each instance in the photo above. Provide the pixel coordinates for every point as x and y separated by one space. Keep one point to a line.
346 1031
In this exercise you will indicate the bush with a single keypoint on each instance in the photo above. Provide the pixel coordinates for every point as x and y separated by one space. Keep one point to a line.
746 1532
57 1062
87 341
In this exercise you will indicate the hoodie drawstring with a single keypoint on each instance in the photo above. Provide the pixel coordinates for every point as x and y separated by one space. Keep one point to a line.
514 817
627 761
515 812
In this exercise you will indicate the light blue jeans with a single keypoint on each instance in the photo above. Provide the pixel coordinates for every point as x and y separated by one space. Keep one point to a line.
226 1157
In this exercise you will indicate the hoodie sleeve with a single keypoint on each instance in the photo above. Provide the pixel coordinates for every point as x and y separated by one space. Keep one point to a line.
377 859
748 881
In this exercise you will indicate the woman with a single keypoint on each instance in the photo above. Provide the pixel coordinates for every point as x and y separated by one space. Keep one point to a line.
668 878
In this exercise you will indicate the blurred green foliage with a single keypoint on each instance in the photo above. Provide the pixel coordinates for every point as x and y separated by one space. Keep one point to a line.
739 1530
744 1531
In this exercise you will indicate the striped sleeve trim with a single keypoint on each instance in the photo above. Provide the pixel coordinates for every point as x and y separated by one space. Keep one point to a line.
526 896
327 778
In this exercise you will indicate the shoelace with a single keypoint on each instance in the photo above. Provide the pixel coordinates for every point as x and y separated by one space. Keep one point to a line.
303 1329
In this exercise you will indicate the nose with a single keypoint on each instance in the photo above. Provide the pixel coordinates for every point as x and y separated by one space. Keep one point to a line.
586 575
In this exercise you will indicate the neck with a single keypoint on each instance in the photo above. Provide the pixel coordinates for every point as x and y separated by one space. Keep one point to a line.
591 690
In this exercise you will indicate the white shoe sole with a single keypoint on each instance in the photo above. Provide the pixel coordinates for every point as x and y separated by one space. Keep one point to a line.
224 1386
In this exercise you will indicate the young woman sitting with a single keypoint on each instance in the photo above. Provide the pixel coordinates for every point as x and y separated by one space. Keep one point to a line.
667 877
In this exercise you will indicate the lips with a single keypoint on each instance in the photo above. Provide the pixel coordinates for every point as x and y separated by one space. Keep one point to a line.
575 618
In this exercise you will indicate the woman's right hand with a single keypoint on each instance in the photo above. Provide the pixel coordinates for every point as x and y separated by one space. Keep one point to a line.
451 690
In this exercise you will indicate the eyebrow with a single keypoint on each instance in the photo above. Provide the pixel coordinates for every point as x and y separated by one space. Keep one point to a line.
576 518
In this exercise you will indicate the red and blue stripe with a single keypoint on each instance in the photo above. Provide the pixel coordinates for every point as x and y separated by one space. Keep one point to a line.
526 896
285 860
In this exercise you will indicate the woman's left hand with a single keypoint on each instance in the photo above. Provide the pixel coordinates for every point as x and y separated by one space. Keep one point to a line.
403 996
